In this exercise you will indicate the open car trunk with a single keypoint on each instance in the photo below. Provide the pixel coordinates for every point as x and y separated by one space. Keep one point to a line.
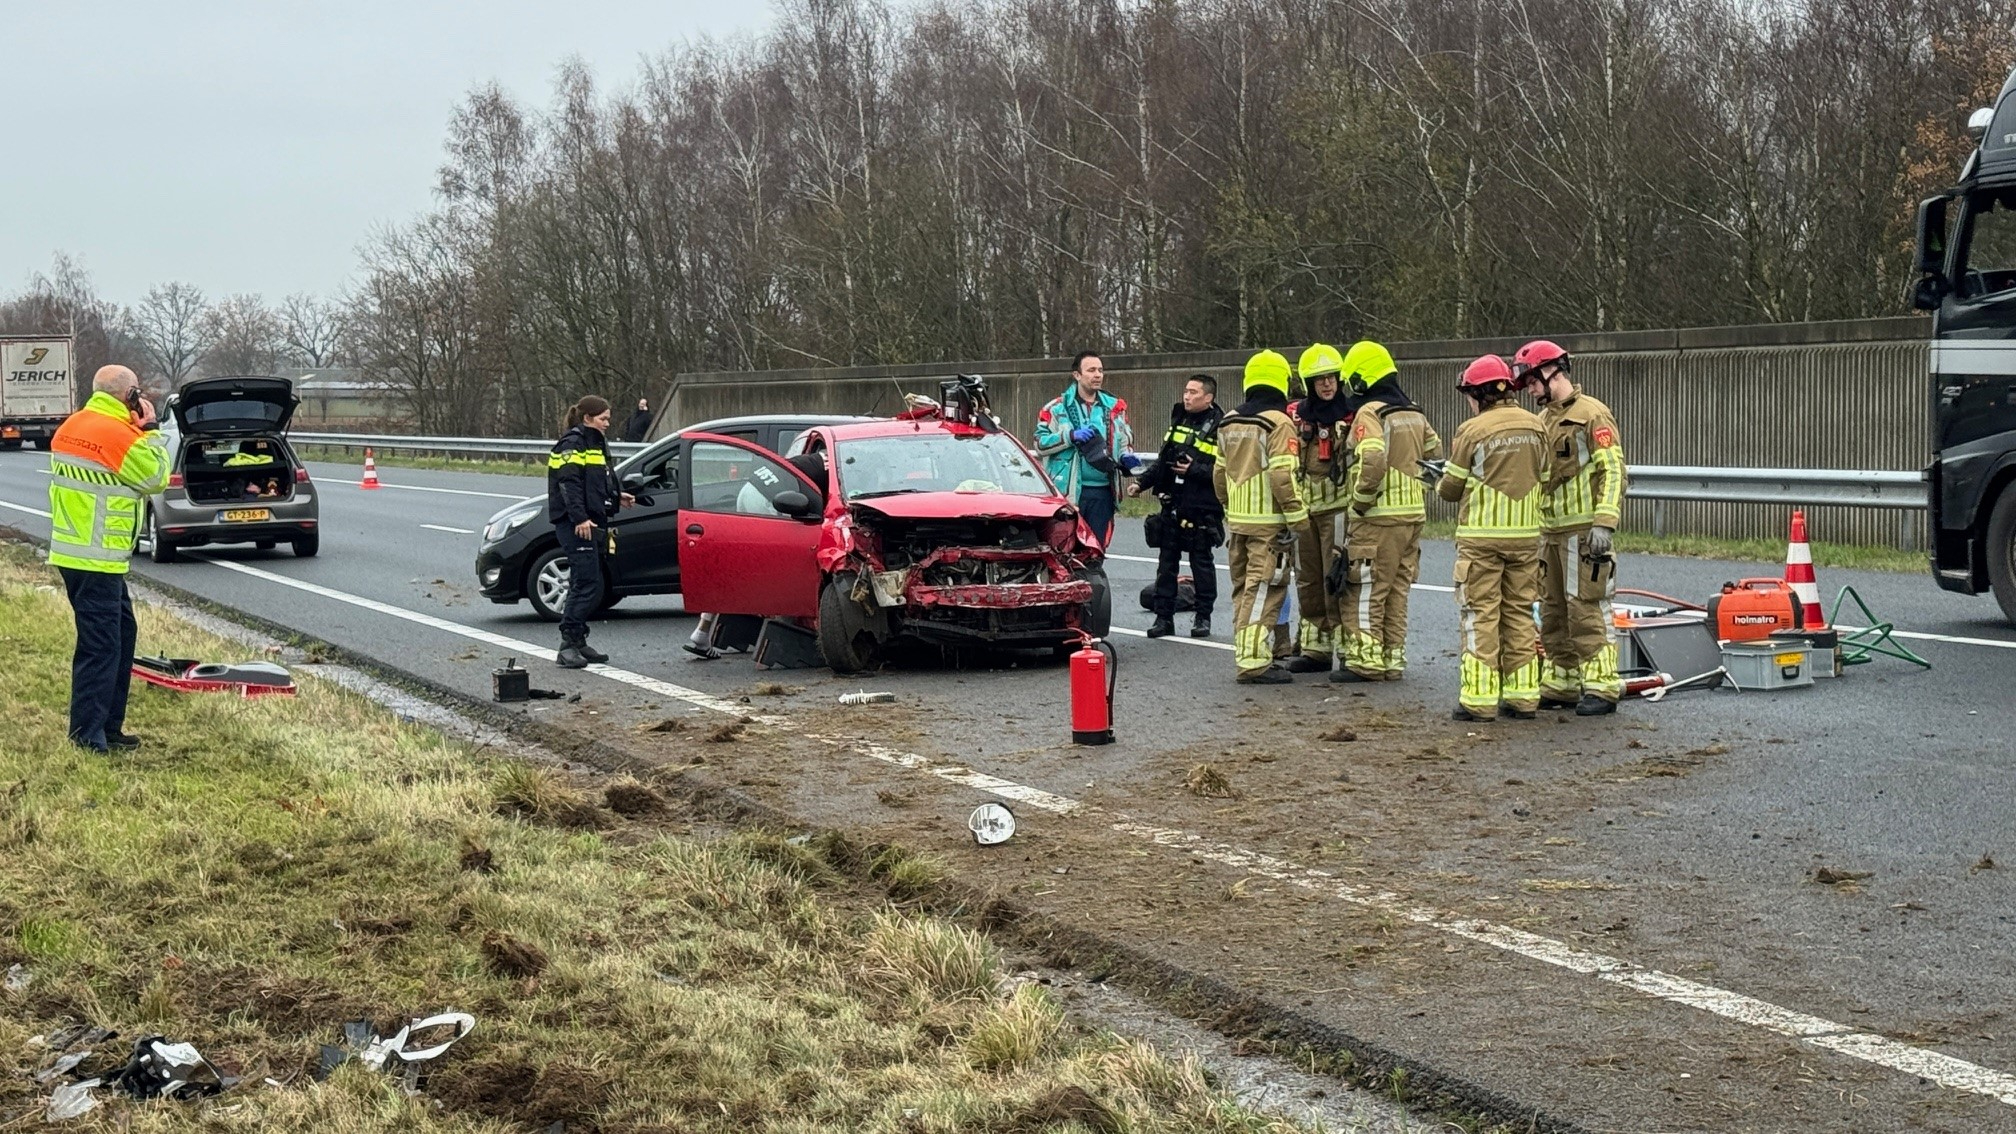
209 478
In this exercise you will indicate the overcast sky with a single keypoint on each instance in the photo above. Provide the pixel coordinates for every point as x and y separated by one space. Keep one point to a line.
250 147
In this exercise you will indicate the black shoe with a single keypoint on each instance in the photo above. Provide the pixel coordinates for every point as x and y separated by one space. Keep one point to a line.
570 658
1303 663
1594 706
703 652
1553 703
1272 675
591 653
1162 627
1464 714
1201 626
1348 677
125 740
1510 713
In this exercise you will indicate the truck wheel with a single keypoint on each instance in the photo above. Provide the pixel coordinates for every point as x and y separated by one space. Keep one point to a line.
1096 616
546 583
2001 551
43 443
847 634
306 546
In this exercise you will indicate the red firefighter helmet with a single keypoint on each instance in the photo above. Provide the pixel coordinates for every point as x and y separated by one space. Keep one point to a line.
1535 355
1488 371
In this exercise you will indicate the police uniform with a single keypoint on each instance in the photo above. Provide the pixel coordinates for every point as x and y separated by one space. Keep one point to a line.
1255 481
1584 489
1496 468
1192 521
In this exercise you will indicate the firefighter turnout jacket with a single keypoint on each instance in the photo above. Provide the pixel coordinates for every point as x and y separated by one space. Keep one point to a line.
1255 477
100 465
1323 431
1585 465
1389 439
1495 470
579 484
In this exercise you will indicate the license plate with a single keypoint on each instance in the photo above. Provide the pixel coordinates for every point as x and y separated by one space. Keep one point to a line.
244 515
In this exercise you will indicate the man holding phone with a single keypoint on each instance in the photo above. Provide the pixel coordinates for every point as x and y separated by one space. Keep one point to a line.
102 461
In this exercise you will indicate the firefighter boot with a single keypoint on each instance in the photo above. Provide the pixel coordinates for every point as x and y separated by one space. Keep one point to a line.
1593 706
1162 627
1549 702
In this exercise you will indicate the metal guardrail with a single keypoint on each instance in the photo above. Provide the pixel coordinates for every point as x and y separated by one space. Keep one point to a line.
1842 487
493 446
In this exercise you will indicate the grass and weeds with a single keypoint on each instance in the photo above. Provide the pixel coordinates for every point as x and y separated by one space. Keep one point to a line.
263 870
501 465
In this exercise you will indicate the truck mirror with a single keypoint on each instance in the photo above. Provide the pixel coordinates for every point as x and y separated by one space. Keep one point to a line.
1928 293
1977 122
1932 235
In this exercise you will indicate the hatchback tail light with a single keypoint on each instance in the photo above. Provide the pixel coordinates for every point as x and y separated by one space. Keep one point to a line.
175 480
300 475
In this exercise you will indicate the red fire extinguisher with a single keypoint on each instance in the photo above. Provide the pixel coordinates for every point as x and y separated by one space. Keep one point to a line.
1094 670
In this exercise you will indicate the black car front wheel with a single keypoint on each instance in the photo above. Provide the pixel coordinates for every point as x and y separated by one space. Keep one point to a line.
546 583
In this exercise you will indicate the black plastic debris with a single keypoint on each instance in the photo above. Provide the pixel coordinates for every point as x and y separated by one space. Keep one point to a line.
161 1068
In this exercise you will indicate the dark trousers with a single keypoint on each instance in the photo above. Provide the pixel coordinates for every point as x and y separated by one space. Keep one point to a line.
1203 575
584 582
1095 502
101 669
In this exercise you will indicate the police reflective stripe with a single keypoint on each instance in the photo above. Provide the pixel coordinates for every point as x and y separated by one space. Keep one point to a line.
576 457
1204 443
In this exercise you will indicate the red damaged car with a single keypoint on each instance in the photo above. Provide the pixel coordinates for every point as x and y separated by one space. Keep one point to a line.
932 526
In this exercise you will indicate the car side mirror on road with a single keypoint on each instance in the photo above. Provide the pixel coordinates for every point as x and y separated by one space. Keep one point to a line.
795 504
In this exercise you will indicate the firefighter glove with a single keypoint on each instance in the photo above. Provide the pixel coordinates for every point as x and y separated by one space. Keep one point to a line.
1339 574
1597 545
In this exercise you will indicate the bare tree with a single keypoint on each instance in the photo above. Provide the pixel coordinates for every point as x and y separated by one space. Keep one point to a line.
312 330
170 328
243 335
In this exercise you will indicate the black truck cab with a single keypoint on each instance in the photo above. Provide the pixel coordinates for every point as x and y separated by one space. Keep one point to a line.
1967 278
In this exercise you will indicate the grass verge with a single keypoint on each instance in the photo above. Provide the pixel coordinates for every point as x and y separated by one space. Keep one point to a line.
263 870
505 466
1850 556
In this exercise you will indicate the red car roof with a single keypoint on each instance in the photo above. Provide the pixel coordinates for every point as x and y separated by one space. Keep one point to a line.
896 427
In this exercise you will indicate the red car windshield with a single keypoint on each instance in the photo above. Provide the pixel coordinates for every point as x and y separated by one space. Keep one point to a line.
937 462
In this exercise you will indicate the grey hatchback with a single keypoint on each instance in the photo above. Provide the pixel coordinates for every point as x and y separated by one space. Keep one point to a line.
232 476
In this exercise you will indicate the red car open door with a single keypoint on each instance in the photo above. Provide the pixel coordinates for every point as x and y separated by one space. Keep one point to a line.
738 554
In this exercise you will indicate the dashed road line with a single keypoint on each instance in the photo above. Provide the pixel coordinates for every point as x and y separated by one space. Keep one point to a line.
446 528
1937 1067
425 488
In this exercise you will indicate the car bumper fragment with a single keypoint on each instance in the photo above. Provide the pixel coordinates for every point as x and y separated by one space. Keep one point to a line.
1001 596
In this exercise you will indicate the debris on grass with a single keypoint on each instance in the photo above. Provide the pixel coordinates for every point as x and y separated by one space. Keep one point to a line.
726 733
893 798
1828 876
631 799
18 979
866 698
509 956
1207 781
1338 735
476 858
1987 863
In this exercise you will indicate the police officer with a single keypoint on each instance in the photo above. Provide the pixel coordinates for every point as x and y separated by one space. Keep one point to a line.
1255 481
1322 418
1582 502
1192 521
581 496
1390 438
1496 466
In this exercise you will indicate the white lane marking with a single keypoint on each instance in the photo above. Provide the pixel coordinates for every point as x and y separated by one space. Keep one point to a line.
525 649
24 508
1182 641
1945 1070
446 528
424 488
1228 570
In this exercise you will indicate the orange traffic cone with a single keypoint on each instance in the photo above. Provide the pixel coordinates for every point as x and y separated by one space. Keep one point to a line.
1799 573
371 474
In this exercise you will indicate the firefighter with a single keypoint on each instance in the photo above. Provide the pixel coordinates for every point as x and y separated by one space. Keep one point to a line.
1255 481
1495 470
1321 420
1191 521
1390 439
1583 498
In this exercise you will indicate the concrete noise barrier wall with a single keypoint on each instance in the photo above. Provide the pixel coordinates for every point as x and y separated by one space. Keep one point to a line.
1853 394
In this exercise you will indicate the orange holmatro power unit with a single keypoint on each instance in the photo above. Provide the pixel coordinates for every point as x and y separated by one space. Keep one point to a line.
1751 609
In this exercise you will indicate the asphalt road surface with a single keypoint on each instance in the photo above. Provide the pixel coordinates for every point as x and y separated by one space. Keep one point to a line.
1695 856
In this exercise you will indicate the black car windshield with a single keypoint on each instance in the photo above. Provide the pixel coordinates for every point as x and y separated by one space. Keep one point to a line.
937 462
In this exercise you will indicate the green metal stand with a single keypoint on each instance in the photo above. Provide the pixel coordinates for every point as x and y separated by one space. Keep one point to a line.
1873 638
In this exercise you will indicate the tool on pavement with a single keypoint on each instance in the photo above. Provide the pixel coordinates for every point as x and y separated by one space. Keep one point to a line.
188 675
1711 679
1770 664
1753 609
1874 637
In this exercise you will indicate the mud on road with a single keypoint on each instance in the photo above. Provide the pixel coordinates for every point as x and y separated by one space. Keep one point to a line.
1515 823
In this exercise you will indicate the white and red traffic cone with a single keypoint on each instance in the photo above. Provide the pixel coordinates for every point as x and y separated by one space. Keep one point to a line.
371 473
1799 573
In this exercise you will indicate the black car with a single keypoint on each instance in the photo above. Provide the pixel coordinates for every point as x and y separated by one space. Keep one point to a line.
520 556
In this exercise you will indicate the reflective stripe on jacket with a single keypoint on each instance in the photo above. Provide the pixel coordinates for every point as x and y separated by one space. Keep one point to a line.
1255 476
578 484
1585 478
100 465
1061 456
1388 444
1321 463
1496 465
